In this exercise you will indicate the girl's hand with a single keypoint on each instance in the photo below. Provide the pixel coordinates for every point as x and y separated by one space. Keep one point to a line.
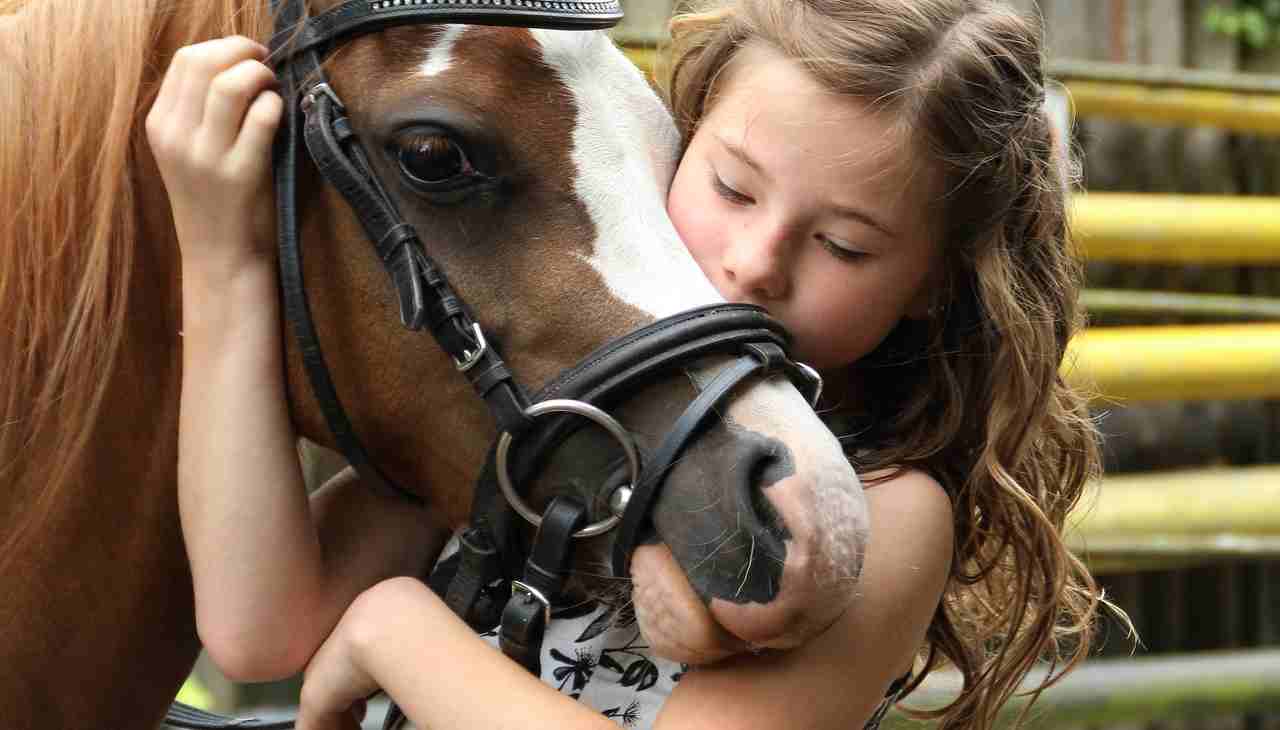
336 682
335 686
395 636
211 130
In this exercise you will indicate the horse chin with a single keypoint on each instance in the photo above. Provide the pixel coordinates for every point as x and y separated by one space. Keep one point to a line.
671 616
682 626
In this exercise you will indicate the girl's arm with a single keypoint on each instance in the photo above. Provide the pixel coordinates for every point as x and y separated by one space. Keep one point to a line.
400 637
269 586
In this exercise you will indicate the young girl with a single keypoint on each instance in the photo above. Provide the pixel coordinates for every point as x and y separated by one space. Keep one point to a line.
882 177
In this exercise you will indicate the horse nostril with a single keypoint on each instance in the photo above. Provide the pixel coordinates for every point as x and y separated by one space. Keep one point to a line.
766 463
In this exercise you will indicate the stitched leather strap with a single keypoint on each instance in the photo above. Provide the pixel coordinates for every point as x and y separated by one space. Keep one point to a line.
524 619
425 295
185 716
357 17
297 308
477 569
686 427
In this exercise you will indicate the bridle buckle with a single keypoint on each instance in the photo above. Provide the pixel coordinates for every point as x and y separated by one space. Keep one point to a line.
471 357
309 98
815 383
520 589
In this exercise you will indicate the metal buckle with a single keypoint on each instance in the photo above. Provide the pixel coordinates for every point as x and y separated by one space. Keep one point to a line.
471 357
309 98
525 590
590 412
814 379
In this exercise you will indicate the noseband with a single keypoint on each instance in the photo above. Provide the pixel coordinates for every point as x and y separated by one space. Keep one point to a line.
478 580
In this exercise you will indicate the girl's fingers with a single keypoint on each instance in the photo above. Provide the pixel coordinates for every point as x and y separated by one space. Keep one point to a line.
197 66
251 151
257 132
228 102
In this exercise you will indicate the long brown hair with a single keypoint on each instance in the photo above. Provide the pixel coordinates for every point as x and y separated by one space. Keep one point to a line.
973 395
76 81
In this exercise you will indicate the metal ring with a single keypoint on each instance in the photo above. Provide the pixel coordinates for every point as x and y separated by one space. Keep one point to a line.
590 412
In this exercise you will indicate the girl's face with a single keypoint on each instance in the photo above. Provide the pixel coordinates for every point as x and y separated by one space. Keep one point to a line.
792 198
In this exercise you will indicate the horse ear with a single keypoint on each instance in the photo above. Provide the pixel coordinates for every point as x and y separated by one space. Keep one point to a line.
694 22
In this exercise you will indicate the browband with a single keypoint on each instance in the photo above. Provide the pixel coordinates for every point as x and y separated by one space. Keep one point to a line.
357 17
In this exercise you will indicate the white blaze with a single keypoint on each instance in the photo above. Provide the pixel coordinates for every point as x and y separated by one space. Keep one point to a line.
625 148
440 57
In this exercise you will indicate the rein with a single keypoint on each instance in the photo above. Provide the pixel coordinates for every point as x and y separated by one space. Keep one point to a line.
490 580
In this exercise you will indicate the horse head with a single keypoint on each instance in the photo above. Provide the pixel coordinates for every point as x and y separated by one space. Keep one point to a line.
533 165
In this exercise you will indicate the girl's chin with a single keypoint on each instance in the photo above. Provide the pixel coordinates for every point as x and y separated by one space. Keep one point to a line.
671 616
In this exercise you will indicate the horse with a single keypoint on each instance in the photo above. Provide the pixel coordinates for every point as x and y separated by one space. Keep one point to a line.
762 519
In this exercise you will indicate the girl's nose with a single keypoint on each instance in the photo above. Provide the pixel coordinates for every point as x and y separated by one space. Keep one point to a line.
755 265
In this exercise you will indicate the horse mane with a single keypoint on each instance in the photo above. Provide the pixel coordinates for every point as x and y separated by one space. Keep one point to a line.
76 81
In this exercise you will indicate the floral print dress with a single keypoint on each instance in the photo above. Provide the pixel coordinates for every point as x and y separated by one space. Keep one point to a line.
598 657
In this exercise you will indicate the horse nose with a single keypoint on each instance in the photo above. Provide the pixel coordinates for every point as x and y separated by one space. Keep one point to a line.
720 522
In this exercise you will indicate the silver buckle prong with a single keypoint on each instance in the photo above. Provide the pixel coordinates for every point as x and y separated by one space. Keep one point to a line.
528 591
471 357
321 88
814 378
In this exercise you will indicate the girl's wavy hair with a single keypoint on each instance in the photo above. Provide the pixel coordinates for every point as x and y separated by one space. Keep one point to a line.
973 395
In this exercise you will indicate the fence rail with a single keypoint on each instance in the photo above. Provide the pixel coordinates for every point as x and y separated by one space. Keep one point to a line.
1178 362
1112 692
1153 520
1203 229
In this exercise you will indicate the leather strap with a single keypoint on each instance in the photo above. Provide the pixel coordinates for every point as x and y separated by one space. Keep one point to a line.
297 308
357 17
636 515
524 620
425 295
478 568
185 716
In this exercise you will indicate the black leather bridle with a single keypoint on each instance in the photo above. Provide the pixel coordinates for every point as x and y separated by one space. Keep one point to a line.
478 580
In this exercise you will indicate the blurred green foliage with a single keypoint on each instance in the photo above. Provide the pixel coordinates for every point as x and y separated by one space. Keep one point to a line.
1256 23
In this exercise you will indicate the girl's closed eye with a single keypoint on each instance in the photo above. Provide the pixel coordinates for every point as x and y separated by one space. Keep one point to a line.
840 248
729 193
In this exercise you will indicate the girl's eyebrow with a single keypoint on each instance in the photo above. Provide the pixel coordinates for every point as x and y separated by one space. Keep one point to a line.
842 211
740 152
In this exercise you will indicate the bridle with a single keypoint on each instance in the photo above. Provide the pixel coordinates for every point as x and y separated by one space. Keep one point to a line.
476 582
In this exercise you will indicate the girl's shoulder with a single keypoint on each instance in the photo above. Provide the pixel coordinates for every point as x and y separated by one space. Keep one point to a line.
909 503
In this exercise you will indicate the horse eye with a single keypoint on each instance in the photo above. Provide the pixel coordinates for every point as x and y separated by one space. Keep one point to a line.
433 161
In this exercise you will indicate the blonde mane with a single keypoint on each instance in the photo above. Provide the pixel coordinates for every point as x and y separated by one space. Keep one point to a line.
76 80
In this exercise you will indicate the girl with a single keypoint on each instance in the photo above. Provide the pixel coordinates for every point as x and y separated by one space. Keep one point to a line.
881 176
